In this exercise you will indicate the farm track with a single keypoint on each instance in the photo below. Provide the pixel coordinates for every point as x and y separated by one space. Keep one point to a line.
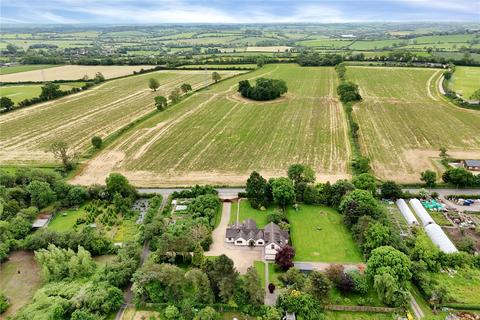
77 118
215 136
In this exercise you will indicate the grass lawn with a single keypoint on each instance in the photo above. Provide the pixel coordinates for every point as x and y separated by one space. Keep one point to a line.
260 266
27 67
126 231
104 259
369 299
463 286
318 234
21 92
273 273
246 211
19 279
346 315
465 80
64 223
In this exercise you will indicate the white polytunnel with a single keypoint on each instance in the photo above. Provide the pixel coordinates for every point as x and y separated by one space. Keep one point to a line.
406 212
439 238
417 206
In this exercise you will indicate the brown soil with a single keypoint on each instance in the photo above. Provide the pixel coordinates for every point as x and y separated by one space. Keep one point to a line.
455 235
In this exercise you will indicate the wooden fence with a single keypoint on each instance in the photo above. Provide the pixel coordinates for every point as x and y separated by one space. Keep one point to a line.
360 308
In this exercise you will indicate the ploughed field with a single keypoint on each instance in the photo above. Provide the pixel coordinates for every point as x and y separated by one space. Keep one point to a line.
404 121
216 136
27 133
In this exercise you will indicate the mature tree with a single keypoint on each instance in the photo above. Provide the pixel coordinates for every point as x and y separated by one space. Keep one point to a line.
348 91
283 191
153 84
175 95
318 285
429 177
264 89
62 152
216 76
77 195
160 102
301 173
443 153
389 260
304 305
253 287
293 279
336 192
375 236
223 276
41 195
475 95
360 203
260 61
59 264
207 313
117 183
459 177
50 91
12 49
365 181
6 103
97 142
256 187
201 286
159 283
198 257
310 195
360 281
185 87
361 164
284 257
390 190
346 284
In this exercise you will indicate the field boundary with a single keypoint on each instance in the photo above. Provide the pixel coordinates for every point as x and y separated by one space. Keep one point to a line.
333 307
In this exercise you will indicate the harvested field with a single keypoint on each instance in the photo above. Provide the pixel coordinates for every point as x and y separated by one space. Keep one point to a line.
215 137
268 49
77 118
403 121
71 73
465 81
21 92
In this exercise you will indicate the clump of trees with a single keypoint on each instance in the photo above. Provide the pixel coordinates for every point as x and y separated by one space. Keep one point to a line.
315 59
348 92
161 103
461 177
264 89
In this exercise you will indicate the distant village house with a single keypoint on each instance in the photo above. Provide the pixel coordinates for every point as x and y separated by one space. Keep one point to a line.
473 165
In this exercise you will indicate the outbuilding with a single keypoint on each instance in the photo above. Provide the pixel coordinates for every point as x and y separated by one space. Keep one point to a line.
473 165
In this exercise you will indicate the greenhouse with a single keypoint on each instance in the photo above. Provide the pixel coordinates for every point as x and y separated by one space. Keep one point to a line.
439 238
406 212
425 218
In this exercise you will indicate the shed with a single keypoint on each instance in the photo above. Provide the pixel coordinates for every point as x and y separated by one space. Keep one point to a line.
303 266
406 212
181 207
417 206
470 164
40 223
439 238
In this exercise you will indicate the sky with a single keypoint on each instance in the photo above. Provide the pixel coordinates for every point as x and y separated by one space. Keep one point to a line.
235 11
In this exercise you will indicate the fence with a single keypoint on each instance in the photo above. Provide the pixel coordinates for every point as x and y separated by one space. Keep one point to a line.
360 308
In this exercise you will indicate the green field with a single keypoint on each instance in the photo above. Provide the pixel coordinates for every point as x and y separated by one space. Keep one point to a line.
465 81
76 118
462 286
28 67
318 234
216 136
403 121
325 43
21 92
218 66
64 221
247 212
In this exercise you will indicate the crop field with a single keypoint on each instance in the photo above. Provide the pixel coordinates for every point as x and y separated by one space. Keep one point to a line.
23 68
403 121
70 72
77 118
21 92
465 80
216 136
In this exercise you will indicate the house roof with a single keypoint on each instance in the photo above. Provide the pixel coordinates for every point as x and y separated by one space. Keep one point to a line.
273 234
472 163
246 230
39 223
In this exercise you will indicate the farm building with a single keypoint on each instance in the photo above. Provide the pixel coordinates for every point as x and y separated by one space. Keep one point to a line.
272 238
439 238
473 165
417 206
406 212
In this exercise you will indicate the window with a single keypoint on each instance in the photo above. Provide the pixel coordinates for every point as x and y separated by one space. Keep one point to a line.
260 242
272 246
239 241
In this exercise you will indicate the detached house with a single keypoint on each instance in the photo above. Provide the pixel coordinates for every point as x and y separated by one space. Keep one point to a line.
272 238
473 165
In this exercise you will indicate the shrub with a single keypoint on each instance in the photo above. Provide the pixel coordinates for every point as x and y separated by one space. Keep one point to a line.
97 142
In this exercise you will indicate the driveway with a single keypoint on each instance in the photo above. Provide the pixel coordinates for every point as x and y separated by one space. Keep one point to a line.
243 257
